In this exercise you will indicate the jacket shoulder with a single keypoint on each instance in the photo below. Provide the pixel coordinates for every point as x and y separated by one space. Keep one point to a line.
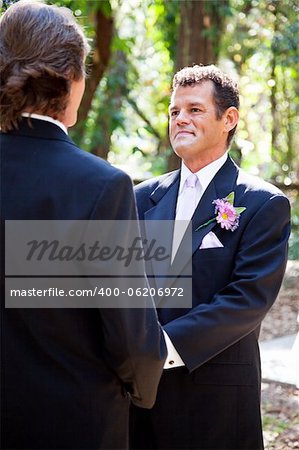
145 188
255 185
93 168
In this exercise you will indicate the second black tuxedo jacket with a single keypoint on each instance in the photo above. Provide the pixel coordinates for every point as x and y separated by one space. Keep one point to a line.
214 402
67 372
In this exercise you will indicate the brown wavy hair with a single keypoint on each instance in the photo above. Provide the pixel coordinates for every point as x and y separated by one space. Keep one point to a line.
42 50
226 92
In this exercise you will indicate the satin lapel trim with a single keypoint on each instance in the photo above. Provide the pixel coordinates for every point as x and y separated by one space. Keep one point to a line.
165 196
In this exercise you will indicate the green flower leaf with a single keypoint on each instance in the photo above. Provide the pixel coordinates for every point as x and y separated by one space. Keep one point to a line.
240 209
230 198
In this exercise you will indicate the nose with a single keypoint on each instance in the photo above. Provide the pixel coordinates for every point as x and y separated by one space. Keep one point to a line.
182 117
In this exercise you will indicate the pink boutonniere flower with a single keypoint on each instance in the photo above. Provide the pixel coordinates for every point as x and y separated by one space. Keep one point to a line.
227 215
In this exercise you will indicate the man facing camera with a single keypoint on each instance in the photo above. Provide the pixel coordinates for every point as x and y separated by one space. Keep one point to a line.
69 375
209 394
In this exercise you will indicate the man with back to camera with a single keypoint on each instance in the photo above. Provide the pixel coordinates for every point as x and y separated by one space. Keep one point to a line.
67 374
209 393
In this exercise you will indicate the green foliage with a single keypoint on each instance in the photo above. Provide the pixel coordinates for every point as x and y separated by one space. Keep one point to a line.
163 25
256 41
262 40
221 12
5 4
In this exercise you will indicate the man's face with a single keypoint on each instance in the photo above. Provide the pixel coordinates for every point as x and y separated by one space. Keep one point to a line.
196 135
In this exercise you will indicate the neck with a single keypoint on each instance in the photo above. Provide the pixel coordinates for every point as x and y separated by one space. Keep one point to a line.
198 164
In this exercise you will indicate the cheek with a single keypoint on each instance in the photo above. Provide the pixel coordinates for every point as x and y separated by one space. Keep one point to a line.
171 131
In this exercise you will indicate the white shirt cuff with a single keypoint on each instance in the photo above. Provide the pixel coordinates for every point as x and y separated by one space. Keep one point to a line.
173 359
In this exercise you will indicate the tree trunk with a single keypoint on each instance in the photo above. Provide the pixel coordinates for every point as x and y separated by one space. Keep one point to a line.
98 64
198 39
194 46
114 95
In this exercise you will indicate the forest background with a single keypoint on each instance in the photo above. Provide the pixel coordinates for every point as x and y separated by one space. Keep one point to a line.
137 46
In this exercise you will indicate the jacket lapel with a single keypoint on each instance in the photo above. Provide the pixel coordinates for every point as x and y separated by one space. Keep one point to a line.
164 199
222 184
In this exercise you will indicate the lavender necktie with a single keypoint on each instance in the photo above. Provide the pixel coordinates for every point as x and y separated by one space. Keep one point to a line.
185 210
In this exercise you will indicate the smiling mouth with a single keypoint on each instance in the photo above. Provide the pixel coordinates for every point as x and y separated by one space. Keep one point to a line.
184 132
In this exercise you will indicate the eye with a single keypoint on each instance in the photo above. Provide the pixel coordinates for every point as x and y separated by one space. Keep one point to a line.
196 110
174 113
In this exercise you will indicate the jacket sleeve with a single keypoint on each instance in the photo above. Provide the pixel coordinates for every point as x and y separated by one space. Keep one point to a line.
134 346
238 307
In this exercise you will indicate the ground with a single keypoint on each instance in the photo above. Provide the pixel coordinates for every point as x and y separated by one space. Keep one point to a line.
280 416
280 402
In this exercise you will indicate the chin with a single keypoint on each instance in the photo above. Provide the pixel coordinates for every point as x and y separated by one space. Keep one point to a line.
181 150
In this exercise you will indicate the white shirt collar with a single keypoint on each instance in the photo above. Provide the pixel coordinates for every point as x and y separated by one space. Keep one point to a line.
46 119
204 175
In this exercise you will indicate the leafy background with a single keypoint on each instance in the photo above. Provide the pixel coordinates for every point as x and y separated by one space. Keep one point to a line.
137 47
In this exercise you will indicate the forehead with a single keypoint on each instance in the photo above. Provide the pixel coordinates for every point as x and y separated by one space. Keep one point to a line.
196 93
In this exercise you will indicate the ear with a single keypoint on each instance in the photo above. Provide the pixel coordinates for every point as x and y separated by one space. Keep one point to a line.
231 117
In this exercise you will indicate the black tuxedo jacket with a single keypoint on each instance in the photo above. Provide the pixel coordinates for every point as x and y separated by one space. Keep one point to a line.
67 372
233 287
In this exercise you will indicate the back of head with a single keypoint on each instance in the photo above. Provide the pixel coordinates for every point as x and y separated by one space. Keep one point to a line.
42 50
226 91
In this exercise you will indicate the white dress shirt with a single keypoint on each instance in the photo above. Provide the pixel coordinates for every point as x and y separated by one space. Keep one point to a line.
205 176
46 119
